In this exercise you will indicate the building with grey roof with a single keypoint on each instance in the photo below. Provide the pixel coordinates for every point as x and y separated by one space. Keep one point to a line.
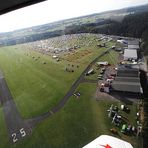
134 87
130 54
133 42
128 70
127 79
133 47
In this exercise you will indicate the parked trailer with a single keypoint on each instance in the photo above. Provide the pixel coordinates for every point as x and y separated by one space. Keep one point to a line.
90 72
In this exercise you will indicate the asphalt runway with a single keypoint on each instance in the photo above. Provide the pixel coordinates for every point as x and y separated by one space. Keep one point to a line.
17 128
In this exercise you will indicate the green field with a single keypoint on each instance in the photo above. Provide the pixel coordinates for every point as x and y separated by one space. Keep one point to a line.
111 57
78 123
34 85
37 87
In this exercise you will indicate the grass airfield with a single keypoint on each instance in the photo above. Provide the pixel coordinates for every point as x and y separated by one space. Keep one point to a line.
37 87
34 85
79 122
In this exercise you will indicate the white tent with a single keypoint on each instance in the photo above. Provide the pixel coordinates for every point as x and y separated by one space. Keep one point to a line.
54 56
105 63
105 141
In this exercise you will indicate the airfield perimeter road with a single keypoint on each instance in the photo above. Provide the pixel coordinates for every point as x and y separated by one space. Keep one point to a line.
17 127
40 118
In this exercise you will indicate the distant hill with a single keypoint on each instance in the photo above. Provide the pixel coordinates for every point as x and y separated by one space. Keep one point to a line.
96 23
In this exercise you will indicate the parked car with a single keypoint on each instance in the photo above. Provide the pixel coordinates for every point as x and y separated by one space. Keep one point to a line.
100 78
124 128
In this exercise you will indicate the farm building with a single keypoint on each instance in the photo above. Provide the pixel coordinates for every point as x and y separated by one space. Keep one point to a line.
130 54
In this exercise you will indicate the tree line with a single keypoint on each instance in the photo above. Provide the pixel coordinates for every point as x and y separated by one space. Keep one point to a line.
132 25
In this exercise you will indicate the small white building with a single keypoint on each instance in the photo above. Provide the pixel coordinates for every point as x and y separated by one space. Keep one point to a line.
105 63
54 56
130 54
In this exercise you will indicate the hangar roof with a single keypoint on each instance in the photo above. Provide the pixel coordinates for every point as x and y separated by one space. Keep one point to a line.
133 47
130 53
134 87
133 42
128 70
128 79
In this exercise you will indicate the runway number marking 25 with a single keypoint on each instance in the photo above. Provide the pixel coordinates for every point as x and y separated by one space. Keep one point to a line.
22 132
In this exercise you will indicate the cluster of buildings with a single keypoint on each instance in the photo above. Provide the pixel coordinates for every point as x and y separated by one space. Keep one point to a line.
128 72
132 50
127 79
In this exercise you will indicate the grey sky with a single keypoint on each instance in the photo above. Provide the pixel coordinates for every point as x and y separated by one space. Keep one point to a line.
54 10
